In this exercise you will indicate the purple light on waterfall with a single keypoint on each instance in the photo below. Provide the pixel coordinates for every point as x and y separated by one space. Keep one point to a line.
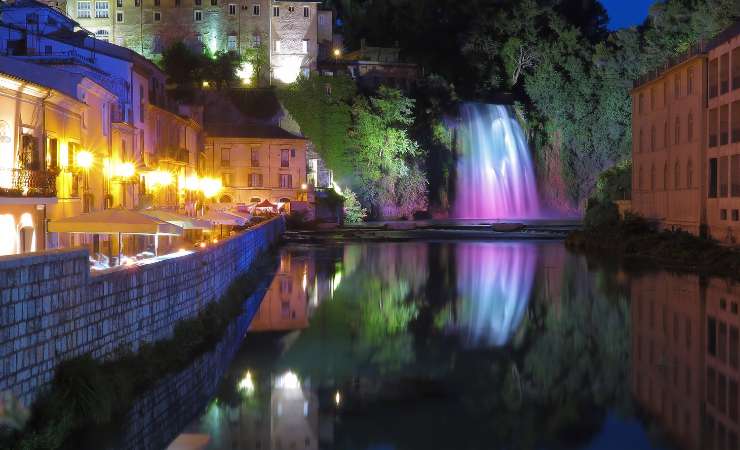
495 175
494 284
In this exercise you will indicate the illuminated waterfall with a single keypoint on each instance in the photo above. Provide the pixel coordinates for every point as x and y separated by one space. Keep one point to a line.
494 284
495 175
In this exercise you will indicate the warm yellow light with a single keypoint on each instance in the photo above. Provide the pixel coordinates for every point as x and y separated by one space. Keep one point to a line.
160 178
124 170
337 398
245 72
337 53
206 84
215 241
192 183
84 159
202 245
246 384
304 186
210 186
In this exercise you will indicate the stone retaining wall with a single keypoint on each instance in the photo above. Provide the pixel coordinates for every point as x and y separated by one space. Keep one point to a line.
52 308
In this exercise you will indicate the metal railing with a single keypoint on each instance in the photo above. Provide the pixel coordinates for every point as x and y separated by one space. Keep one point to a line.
27 183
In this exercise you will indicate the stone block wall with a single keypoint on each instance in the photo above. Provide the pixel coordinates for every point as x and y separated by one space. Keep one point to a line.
53 309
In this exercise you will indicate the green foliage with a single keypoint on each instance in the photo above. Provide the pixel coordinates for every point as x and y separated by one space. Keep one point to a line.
353 211
601 214
186 68
615 183
221 68
322 108
259 58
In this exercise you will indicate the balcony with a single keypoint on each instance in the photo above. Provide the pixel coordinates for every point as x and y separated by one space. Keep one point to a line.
27 183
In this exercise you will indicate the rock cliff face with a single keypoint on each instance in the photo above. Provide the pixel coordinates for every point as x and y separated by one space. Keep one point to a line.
551 185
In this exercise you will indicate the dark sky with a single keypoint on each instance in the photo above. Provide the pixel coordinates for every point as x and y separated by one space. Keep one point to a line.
625 13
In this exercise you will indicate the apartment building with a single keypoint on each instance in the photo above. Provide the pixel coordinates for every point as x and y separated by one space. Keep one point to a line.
289 31
686 141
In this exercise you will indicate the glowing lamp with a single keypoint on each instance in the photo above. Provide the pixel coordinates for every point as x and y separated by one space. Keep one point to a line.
124 170
202 245
192 183
84 159
304 186
215 241
206 84
337 53
245 72
210 186
337 398
246 384
160 178
288 380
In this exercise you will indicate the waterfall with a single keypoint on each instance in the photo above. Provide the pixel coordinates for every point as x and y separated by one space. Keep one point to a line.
495 175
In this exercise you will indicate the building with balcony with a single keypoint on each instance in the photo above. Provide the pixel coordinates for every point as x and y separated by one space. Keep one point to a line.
686 141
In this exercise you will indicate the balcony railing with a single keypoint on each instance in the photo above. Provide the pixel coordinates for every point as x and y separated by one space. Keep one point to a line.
27 183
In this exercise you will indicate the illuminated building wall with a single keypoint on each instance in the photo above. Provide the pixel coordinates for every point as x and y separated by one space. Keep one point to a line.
151 26
265 163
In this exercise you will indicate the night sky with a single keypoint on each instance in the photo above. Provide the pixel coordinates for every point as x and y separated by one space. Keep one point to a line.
625 13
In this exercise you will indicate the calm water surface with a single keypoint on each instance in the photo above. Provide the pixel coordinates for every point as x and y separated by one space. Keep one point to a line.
441 345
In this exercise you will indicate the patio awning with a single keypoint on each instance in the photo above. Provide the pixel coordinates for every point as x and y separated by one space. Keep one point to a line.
242 215
181 220
222 218
266 204
113 221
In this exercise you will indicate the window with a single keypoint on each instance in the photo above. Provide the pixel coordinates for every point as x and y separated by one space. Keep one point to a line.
304 46
286 180
723 174
713 125
232 9
52 153
677 175
277 46
722 214
255 180
690 81
712 178
83 10
276 11
736 120
690 174
101 9
119 3
690 128
137 3
157 16
639 142
712 74
322 20
178 2
231 43
284 158
255 10
255 157
677 131
198 15
735 218
225 157
735 176
724 73
724 125
48 50
102 35
665 176
291 9
157 44
119 16
256 41
736 68
198 2
677 85
306 11
227 179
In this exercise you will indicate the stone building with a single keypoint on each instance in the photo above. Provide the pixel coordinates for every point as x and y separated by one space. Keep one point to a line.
289 31
686 141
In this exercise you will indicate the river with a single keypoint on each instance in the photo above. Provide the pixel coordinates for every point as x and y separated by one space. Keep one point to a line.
459 345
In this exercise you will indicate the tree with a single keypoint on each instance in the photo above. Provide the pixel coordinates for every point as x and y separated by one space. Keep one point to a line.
181 64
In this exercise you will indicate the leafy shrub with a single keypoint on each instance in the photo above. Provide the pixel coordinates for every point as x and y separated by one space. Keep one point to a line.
601 214
353 211
615 183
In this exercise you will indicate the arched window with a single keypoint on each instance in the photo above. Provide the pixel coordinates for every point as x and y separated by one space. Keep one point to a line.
689 174
677 175
677 131
652 138
652 177
225 199
284 200
690 127
639 178
665 176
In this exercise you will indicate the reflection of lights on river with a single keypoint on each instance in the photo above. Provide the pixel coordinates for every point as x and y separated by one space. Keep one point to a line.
246 384
288 380
337 398
335 281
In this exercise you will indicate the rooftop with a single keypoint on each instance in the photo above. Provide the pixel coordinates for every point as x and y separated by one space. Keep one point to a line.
49 77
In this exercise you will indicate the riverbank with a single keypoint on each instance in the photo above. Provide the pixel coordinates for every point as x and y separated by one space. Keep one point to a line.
87 392
634 240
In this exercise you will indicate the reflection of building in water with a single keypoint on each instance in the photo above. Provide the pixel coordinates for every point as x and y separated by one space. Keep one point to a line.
286 302
294 414
722 324
494 284
667 357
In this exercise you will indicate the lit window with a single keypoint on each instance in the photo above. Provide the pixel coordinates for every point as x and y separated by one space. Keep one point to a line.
157 16
227 179
304 46
255 10
83 10
232 9
231 43
306 12
119 16
101 10
277 46
198 15
102 35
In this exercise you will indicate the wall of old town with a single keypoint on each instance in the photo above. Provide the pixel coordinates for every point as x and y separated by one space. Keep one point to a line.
53 309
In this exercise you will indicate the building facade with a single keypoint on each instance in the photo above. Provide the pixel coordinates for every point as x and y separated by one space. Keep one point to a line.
256 163
686 141
288 31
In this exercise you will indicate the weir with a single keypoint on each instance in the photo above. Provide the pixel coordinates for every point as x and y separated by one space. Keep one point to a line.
495 174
